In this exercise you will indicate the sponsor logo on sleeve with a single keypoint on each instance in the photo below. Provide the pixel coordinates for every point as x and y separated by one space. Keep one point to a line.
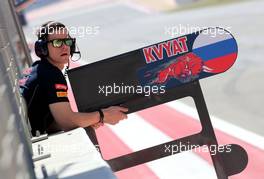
60 87
61 94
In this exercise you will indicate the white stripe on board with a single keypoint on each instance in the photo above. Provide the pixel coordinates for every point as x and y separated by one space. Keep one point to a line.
210 36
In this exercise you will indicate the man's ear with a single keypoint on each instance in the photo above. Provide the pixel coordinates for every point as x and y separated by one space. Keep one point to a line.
48 50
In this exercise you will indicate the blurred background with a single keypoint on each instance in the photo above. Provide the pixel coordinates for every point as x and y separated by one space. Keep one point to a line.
105 28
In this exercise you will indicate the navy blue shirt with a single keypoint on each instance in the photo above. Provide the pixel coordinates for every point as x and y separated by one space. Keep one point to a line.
43 84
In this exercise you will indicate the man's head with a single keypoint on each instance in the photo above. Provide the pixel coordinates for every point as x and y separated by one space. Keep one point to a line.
54 43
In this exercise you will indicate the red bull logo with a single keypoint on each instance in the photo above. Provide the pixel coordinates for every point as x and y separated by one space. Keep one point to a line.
185 68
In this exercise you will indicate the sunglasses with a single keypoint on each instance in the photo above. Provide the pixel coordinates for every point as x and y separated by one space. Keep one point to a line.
57 43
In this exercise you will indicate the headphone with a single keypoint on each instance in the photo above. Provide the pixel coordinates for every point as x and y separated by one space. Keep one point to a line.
41 45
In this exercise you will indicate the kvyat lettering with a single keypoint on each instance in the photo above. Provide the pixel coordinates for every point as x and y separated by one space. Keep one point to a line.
171 48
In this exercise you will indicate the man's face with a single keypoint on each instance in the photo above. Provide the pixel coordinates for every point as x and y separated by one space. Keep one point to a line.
59 55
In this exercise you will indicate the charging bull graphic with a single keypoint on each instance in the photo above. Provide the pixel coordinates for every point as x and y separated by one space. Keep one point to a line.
185 68
188 58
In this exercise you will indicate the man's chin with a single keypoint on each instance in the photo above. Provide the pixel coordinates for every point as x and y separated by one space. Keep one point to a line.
65 59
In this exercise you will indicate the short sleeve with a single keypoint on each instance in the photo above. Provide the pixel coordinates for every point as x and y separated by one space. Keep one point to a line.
54 87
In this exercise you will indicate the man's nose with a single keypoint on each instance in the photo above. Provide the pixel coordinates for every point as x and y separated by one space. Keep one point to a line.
64 46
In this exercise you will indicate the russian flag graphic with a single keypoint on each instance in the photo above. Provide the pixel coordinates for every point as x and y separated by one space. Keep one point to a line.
217 48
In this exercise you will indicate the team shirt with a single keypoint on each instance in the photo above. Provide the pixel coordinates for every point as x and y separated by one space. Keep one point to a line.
42 84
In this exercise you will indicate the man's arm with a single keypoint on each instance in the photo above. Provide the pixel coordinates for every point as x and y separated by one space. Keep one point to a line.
66 119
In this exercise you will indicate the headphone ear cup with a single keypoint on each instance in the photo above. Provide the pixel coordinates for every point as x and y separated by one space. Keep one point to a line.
41 48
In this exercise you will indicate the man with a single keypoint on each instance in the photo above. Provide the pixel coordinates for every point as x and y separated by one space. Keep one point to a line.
45 89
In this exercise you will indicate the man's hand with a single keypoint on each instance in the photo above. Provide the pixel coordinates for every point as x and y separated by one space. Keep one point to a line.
114 114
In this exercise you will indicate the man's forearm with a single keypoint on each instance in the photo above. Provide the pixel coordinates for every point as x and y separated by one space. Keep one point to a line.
85 119
66 119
